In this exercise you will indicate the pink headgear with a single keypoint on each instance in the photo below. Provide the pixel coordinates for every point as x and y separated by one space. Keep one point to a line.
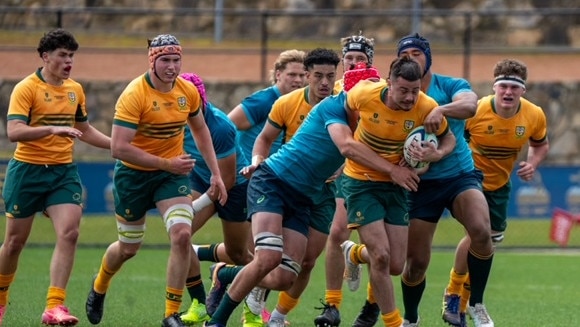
198 82
361 71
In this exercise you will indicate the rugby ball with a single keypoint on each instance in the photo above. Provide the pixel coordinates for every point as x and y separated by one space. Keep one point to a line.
418 134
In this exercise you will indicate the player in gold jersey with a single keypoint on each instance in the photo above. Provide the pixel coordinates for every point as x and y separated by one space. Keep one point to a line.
355 49
46 114
376 202
151 172
504 123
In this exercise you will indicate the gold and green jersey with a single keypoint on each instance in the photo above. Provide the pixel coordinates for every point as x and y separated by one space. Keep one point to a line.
289 111
382 128
158 117
496 141
40 104
338 86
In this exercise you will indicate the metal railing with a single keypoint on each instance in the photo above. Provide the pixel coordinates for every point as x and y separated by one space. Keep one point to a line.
459 31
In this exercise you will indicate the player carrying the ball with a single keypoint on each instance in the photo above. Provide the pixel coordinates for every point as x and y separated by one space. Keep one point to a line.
376 201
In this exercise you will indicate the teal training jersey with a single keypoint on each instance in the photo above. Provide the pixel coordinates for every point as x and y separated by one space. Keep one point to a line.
223 135
311 157
257 106
443 89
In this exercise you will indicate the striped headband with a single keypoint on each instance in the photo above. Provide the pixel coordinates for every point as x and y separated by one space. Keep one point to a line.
510 79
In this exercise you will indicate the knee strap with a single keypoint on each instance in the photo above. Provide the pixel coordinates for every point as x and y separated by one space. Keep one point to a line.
268 241
131 234
178 214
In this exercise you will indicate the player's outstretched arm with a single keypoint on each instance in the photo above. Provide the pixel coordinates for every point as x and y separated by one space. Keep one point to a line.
350 148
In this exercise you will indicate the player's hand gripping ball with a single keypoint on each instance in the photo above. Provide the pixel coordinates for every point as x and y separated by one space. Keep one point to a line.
419 135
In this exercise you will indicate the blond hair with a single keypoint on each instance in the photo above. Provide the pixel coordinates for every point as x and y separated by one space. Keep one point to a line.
286 57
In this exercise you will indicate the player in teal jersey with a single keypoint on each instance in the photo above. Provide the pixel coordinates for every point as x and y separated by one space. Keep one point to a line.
251 115
281 192
452 183
236 228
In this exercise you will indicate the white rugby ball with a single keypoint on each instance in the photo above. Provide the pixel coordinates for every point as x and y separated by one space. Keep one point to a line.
418 134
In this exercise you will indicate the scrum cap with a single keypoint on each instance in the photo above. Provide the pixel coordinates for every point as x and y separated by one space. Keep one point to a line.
361 44
419 42
360 72
161 45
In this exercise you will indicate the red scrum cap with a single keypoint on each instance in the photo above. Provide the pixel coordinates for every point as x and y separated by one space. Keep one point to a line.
359 72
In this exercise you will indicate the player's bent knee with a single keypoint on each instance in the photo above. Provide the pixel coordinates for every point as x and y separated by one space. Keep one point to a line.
239 256
396 270
178 214
307 265
416 268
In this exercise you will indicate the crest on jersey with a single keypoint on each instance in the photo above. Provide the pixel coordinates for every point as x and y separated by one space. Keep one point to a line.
520 131
72 97
409 124
181 102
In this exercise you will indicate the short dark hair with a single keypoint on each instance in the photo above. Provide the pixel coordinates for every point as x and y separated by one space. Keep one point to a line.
406 68
57 38
320 56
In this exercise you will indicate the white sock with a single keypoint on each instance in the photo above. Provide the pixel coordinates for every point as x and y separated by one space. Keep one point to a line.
277 315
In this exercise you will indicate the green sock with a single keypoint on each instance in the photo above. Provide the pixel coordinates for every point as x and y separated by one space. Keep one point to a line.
195 288
479 269
411 297
208 252
228 272
224 311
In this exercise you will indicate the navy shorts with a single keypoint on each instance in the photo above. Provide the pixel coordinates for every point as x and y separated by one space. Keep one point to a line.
235 209
268 193
436 195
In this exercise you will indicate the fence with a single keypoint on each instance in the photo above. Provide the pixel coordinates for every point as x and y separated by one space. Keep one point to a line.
261 31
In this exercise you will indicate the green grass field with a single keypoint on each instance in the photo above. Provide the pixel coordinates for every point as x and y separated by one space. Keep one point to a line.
527 287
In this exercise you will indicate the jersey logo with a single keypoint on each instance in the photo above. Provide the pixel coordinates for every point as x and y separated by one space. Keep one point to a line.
156 106
375 118
181 102
408 125
72 97
261 199
520 131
